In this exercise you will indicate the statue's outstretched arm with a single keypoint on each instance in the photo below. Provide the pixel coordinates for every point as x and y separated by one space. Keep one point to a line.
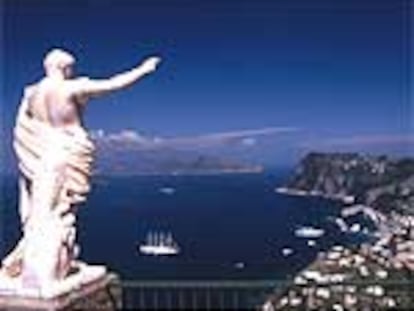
95 87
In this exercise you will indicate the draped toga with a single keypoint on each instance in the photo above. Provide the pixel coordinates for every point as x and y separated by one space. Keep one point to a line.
41 147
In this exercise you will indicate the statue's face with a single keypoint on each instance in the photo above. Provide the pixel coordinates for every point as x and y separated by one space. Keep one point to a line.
68 71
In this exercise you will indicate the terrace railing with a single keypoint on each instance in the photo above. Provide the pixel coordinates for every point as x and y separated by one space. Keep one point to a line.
259 295
197 295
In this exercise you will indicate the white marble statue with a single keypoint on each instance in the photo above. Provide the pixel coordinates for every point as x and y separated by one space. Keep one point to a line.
54 156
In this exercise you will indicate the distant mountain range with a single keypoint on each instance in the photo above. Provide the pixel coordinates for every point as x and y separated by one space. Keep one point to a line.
123 158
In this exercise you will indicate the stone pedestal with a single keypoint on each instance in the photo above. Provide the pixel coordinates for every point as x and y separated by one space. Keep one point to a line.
103 293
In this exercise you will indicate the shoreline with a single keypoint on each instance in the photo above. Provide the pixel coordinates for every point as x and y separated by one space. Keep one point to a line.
349 208
346 199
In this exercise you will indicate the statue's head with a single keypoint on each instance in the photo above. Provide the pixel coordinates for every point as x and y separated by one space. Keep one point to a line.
59 61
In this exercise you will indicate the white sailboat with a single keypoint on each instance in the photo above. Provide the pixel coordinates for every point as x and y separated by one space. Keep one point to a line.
159 244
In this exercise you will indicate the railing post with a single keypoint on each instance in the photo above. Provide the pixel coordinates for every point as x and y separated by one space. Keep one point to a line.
169 300
221 300
141 299
235 299
208 297
180 300
155 299
194 298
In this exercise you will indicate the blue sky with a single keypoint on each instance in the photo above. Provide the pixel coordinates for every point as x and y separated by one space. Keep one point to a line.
333 68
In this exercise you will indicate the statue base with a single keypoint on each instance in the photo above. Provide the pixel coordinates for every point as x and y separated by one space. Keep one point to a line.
91 288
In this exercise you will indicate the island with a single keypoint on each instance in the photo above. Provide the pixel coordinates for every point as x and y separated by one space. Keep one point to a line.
117 158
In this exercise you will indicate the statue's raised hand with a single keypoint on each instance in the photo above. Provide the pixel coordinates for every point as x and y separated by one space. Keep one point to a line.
150 64
96 87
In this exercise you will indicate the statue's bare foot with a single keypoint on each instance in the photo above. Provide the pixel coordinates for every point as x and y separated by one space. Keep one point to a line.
12 265
13 269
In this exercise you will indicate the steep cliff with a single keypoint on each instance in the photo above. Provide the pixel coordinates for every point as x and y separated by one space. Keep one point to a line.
382 182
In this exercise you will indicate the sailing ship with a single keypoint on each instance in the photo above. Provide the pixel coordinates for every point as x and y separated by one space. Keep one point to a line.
159 244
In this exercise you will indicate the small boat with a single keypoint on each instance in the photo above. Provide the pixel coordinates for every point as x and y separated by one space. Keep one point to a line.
309 232
311 243
239 265
287 251
340 222
355 228
159 244
167 190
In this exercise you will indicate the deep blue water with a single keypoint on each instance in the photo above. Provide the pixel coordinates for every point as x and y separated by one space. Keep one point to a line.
217 220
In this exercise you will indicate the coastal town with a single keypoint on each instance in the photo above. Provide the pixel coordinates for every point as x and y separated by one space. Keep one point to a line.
375 274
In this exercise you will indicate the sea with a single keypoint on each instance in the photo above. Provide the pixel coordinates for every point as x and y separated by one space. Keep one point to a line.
228 226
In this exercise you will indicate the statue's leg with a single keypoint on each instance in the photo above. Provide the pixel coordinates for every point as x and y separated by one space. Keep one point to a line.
44 228
67 253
